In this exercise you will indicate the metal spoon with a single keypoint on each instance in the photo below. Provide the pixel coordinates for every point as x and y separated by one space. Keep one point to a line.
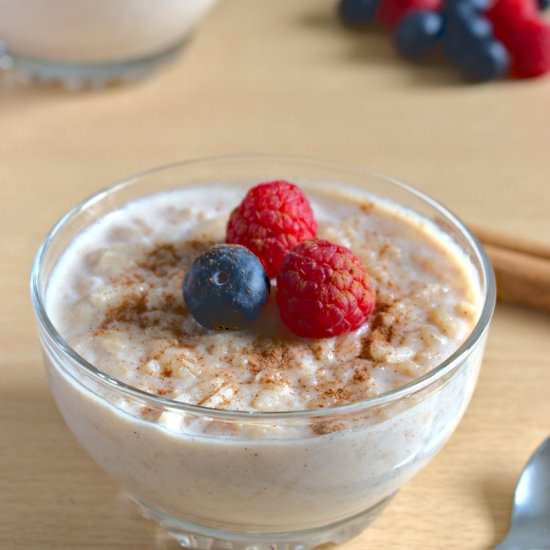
530 528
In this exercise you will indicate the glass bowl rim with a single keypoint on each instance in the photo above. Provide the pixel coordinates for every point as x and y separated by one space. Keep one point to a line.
443 368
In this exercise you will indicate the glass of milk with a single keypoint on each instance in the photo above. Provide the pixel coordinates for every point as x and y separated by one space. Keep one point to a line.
88 43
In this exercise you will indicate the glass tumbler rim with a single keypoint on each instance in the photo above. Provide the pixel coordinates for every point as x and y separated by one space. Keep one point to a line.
488 298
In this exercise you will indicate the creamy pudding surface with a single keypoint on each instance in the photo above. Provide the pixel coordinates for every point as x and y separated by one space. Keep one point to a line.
116 298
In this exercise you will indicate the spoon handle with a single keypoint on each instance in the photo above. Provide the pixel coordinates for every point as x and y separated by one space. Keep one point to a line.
510 545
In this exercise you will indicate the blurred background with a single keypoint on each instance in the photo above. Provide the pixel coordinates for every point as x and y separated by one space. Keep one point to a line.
282 77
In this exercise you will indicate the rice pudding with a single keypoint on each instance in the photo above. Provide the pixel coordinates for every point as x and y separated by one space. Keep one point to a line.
273 437
116 298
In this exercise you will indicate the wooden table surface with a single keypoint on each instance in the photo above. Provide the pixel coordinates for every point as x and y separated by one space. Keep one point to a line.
282 77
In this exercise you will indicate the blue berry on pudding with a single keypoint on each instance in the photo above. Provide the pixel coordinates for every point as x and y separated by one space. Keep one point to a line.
226 288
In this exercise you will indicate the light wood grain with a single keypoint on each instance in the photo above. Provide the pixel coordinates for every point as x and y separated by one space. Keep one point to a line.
278 77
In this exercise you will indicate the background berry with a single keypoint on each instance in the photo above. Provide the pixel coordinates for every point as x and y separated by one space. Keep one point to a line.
466 23
469 43
357 12
487 61
517 25
477 5
506 14
530 48
226 288
391 12
418 33
323 290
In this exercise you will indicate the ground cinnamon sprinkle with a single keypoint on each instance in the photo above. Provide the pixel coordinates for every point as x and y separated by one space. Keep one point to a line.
162 263
383 250
149 413
377 330
180 359
337 395
366 207
326 427
131 310
254 362
267 358
167 256
162 258
166 371
145 336
360 374
135 311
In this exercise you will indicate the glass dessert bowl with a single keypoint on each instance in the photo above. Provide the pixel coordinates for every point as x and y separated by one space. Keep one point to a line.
249 474
85 44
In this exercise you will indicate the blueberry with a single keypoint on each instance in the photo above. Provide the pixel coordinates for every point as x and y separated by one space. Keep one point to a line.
459 11
543 4
464 24
453 47
470 44
464 37
485 61
418 33
477 28
476 5
357 12
226 288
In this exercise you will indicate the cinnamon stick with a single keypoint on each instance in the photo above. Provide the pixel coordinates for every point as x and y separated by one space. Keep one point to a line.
522 269
509 242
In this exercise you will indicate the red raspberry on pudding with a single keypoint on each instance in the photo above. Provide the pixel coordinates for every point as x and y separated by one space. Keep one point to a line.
270 221
323 290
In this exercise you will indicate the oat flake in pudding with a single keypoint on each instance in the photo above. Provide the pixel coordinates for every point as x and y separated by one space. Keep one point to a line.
115 296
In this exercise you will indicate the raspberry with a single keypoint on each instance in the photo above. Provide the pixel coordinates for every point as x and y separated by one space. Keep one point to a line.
531 57
528 41
505 15
526 37
323 290
270 221
390 12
